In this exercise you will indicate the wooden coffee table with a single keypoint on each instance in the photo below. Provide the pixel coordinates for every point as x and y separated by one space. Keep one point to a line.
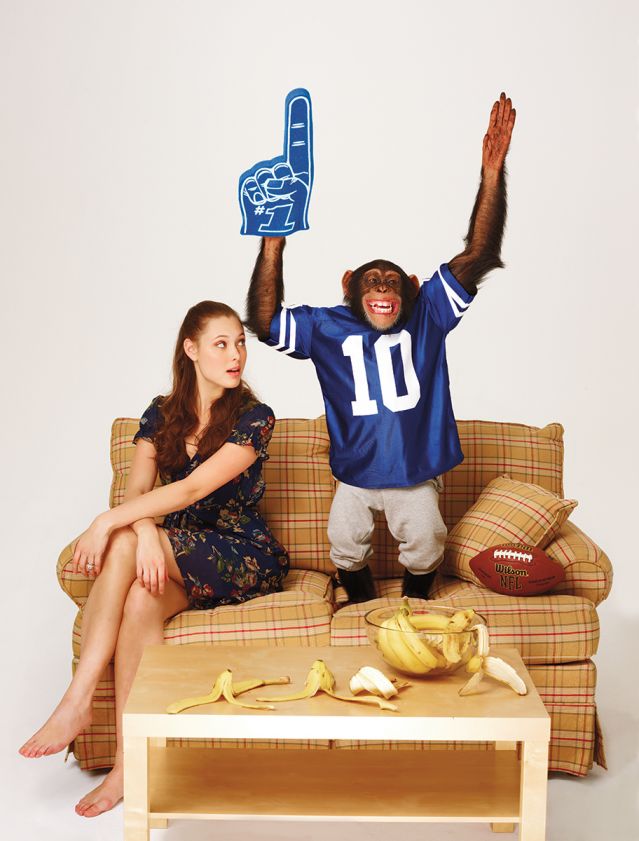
502 787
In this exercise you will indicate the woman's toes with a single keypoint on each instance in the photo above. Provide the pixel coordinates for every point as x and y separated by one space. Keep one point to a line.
59 730
28 748
103 797
97 808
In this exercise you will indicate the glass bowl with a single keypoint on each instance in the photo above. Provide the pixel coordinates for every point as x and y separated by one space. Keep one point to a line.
447 644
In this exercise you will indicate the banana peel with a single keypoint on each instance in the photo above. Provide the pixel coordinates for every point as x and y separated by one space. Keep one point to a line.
225 688
321 679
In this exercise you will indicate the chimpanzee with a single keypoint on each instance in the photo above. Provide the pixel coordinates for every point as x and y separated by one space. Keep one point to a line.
381 362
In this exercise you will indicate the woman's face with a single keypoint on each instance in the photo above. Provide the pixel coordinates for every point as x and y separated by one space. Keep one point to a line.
219 353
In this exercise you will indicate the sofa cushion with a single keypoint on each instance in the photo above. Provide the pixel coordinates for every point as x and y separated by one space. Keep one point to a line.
546 629
299 615
507 511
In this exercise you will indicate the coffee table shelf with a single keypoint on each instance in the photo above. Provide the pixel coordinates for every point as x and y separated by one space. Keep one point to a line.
343 784
504 787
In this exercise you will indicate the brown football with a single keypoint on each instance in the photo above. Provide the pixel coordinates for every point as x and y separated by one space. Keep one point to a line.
516 570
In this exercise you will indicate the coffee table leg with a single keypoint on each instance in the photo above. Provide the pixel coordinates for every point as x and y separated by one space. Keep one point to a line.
136 788
534 785
158 823
504 827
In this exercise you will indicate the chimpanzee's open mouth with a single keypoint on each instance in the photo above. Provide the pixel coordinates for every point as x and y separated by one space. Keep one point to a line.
382 307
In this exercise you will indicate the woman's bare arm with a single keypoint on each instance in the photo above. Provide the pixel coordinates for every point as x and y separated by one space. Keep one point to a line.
141 480
228 462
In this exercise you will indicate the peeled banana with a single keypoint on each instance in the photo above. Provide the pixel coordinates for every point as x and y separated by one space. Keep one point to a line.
484 664
500 670
371 680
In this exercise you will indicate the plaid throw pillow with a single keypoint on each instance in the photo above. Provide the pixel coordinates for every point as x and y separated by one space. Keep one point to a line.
507 511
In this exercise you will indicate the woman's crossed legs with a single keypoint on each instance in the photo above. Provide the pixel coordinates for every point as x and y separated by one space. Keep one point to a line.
120 618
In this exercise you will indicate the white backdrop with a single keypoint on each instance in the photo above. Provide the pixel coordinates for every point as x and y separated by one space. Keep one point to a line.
124 128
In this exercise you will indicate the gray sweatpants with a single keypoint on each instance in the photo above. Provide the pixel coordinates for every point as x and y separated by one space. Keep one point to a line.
412 515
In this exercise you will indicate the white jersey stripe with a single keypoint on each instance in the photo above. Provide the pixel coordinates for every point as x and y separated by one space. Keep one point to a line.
282 338
292 334
457 303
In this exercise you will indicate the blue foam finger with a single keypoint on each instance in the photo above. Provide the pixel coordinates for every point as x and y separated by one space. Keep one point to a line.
274 194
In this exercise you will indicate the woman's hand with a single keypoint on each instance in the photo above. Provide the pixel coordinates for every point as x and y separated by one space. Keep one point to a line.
91 545
149 560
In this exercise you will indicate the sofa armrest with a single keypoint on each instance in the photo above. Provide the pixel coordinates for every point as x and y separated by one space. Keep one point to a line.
588 568
75 585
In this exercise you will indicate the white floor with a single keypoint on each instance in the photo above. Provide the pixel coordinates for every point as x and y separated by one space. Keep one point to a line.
38 795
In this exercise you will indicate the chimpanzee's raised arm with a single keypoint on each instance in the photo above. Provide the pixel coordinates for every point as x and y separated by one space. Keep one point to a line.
266 291
487 221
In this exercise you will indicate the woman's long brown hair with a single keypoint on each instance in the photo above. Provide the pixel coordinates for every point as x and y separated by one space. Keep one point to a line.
178 410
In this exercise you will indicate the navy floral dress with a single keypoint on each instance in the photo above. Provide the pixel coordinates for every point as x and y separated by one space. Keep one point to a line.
224 549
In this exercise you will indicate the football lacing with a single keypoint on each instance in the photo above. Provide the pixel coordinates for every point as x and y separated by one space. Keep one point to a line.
513 555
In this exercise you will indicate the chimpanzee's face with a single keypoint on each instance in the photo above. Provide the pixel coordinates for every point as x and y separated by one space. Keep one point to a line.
380 293
381 298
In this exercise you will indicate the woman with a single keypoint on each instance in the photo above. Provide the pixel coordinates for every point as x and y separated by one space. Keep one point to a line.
207 439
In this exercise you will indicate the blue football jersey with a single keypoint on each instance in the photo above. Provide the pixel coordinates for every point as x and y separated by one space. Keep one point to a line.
387 396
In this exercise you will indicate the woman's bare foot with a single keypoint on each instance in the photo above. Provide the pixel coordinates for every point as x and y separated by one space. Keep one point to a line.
66 721
104 797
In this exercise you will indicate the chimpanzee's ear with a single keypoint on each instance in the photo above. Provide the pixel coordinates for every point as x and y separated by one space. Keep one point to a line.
414 285
348 274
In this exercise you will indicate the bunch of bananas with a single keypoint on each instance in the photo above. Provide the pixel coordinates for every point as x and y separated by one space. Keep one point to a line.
443 644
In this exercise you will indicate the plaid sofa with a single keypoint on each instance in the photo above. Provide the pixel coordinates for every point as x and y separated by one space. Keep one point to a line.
557 633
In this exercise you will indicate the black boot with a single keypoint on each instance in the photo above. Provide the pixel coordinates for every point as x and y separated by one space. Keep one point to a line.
417 586
359 585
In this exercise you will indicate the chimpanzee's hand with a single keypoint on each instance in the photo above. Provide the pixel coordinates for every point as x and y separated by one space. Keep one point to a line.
275 194
497 138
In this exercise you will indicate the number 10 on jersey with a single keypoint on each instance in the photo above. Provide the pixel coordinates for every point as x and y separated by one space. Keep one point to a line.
353 347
